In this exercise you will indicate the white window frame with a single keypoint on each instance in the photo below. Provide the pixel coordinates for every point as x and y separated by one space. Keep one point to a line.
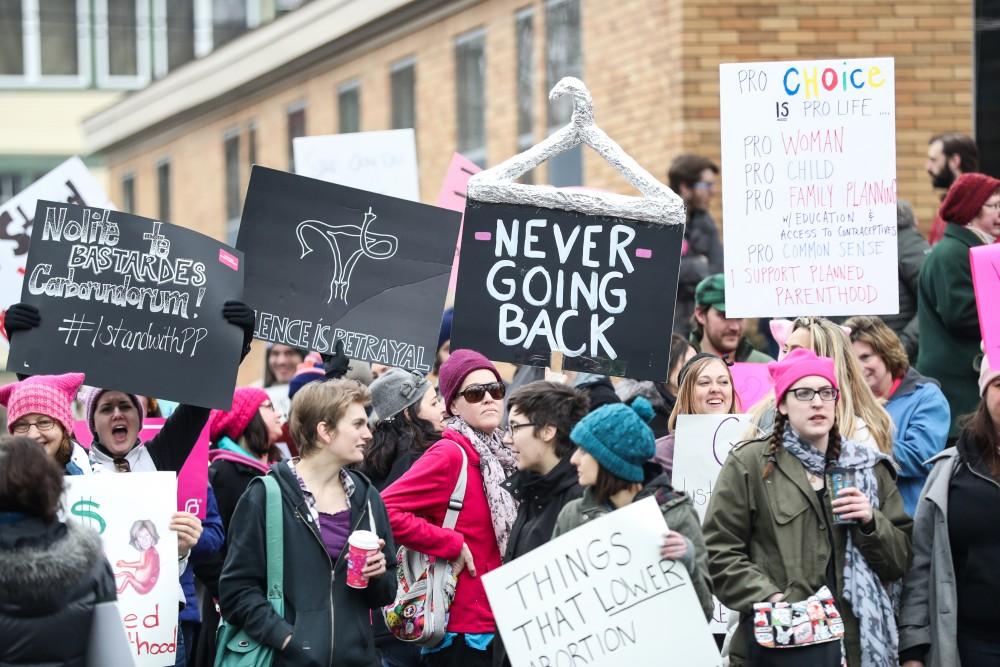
32 52
102 46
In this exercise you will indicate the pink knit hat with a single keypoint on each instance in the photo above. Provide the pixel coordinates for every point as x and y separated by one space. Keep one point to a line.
49 395
246 402
797 364
986 376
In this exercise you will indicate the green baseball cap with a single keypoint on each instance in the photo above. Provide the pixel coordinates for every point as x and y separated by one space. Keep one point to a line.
711 292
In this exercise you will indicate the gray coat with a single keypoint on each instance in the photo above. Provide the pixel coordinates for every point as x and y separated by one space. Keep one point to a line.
930 604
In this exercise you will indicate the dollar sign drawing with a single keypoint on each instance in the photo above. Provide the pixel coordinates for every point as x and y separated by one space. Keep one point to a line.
86 508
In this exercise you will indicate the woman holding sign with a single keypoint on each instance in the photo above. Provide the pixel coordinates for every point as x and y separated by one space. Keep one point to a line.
613 444
807 535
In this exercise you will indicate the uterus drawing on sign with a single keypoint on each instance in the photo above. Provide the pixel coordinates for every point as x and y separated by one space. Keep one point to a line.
145 572
345 257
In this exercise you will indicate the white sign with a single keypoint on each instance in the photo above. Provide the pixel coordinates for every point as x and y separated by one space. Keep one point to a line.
69 182
601 596
132 513
809 187
701 446
384 162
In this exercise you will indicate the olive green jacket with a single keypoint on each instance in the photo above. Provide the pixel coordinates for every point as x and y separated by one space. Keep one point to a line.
680 516
771 536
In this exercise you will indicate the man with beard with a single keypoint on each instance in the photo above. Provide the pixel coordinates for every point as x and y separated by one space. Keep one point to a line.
693 178
714 333
949 155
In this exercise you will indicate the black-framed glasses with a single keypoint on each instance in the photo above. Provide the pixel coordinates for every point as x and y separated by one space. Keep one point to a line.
806 394
474 393
44 424
513 426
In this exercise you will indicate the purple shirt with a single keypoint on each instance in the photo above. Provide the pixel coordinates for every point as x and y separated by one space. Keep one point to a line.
335 529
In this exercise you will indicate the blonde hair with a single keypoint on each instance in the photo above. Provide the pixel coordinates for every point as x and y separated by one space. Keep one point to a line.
685 404
322 402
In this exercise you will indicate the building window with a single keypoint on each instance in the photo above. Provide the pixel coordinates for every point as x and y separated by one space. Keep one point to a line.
11 183
58 21
11 38
470 67
173 34
45 42
163 189
230 19
296 128
987 73
402 82
524 28
128 193
231 148
349 107
122 30
563 57
252 143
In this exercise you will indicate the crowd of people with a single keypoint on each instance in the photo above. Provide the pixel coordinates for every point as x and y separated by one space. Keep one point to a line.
870 472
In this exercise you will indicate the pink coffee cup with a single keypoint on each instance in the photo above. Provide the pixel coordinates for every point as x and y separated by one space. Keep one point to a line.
361 544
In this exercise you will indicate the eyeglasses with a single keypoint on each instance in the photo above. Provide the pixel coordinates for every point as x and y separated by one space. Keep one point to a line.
476 392
805 394
513 426
42 425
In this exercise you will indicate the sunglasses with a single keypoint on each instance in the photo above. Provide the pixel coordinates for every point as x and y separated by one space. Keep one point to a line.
474 393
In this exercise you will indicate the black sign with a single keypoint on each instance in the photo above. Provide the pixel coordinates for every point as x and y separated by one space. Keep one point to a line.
600 290
328 262
133 303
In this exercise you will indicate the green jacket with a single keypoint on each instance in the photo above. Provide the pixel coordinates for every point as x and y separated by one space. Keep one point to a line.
949 323
770 536
680 516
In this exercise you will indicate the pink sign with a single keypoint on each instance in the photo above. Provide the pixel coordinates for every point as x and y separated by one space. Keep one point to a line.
192 481
986 283
752 383
452 196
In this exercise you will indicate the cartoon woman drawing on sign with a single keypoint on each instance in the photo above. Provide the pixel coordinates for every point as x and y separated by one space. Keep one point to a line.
147 569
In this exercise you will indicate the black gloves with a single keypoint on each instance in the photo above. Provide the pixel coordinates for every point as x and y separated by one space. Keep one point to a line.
336 365
241 315
21 317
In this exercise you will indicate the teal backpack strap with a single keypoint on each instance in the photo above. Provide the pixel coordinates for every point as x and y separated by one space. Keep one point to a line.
274 530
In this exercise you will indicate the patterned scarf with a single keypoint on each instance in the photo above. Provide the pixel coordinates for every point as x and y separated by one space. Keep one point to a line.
872 602
496 462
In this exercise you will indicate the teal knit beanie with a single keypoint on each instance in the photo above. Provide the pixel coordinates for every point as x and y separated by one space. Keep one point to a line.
618 437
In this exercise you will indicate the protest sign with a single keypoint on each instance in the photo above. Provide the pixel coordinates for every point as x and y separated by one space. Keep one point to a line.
192 479
752 382
986 282
327 262
69 182
133 303
601 595
132 514
701 446
809 187
384 162
452 197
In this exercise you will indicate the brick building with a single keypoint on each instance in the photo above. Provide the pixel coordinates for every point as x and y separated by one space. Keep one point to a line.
473 76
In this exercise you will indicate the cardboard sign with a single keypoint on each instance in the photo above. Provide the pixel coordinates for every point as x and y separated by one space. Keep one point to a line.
192 479
601 595
327 262
752 382
986 282
599 290
452 197
132 514
809 187
133 303
384 162
69 182
701 446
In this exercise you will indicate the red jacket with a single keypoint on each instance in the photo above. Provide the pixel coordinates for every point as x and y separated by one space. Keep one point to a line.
417 502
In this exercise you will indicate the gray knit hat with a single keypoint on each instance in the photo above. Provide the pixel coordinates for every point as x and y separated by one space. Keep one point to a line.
395 390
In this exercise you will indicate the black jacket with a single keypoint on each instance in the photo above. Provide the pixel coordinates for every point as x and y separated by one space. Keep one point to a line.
703 258
315 600
52 576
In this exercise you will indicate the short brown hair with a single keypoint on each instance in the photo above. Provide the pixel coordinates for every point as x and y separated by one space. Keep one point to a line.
686 169
551 404
30 481
955 143
608 484
883 341
322 402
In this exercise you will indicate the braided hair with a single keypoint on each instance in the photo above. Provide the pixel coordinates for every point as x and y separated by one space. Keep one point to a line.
778 434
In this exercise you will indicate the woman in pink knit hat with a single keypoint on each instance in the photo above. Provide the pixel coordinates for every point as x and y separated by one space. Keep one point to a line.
808 512
40 407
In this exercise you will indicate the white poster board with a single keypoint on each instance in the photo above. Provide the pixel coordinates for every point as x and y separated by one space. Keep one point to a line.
132 513
69 182
601 596
809 187
701 446
384 162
